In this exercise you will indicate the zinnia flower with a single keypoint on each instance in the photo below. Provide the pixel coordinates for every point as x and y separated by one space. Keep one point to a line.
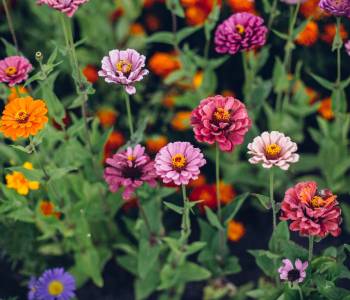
325 109
124 67
23 117
240 32
347 47
336 7
181 121
309 35
107 116
130 169
242 5
163 63
32 287
17 181
273 149
90 73
293 274
179 162
235 231
155 143
221 119
55 284
330 32
14 70
68 7
310 8
14 93
47 208
206 194
227 192
313 212
114 142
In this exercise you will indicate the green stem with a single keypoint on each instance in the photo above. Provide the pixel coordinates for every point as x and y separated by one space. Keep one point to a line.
174 29
300 293
18 92
10 24
185 226
217 176
128 110
338 56
144 217
311 247
272 13
273 203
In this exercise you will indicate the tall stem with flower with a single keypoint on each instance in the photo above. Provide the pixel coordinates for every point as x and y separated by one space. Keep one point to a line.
10 24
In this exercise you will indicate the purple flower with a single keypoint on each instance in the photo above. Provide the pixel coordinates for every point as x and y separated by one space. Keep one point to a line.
347 47
179 162
130 169
336 7
293 1
124 67
68 7
241 31
32 286
14 69
55 284
293 274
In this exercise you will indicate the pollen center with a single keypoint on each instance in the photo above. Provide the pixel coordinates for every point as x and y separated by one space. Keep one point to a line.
240 29
222 115
22 116
124 66
179 161
131 158
273 150
10 71
55 288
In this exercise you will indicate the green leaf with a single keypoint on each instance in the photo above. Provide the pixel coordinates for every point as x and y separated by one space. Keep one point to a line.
281 35
147 257
9 48
175 208
323 82
190 272
162 37
265 201
186 32
213 219
176 7
230 211
279 237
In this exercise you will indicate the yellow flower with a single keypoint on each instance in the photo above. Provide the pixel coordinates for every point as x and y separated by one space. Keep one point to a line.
17 181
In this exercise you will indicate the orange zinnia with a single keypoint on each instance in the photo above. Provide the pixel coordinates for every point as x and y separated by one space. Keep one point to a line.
309 35
330 31
154 144
17 181
23 117
242 5
181 121
137 29
325 109
107 116
14 93
310 8
227 193
90 73
194 183
162 63
235 231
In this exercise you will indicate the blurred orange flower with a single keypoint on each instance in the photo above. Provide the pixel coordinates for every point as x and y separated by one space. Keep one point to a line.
313 95
235 231
163 63
242 6
181 121
329 33
207 194
155 143
309 35
17 181
310 8
107 116
227 192
198 79
169 100
115 140
152 22
325 109
197 11
47 208
137 29
201 180
91 74
23 117
13 93
228 93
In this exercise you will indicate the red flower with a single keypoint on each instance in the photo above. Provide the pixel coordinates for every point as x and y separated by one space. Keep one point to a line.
90 72
312 212
207 194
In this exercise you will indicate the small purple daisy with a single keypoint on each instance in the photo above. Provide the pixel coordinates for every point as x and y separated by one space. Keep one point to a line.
124 67
293 274
179 162
32 286
55 284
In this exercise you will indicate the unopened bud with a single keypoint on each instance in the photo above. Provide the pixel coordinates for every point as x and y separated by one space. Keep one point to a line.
39 56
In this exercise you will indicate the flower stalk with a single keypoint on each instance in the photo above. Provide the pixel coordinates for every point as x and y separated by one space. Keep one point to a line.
311 247
10 24
128 109
186 222
272 200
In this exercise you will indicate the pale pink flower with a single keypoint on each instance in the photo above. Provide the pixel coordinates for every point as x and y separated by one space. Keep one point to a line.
273 149
179 162
68 7
14 70
293 274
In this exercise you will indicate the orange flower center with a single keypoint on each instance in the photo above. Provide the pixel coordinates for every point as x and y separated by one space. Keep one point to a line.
124 66
273 150
22 116
318 201
179 161
10 71
240 29
131 157
222 115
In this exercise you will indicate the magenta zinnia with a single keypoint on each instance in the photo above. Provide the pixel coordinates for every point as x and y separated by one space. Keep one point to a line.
313 212
68 7
240 32
273 149
124 67
336 7
221 119
179 162
14 70
130 169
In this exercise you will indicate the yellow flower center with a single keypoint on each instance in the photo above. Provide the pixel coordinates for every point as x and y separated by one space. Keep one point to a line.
221 114
240 29
124 66
317 201
179 161
22 116
55 288
131 158
273 150
10 71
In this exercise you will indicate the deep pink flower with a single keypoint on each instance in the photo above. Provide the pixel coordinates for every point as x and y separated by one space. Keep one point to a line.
68 7
312 212
14 70
273 149
336 7
291 274
221 119
130 169
347 47
124 67
179 162
241 31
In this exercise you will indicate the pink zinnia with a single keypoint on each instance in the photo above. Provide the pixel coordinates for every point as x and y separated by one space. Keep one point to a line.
179 162
312 212
240 32
273 149
221 119
124 67
130 169
14 70
68 7
347 47
293 274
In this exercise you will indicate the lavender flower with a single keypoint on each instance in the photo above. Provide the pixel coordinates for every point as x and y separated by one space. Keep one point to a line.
336 7
293 274
124 67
